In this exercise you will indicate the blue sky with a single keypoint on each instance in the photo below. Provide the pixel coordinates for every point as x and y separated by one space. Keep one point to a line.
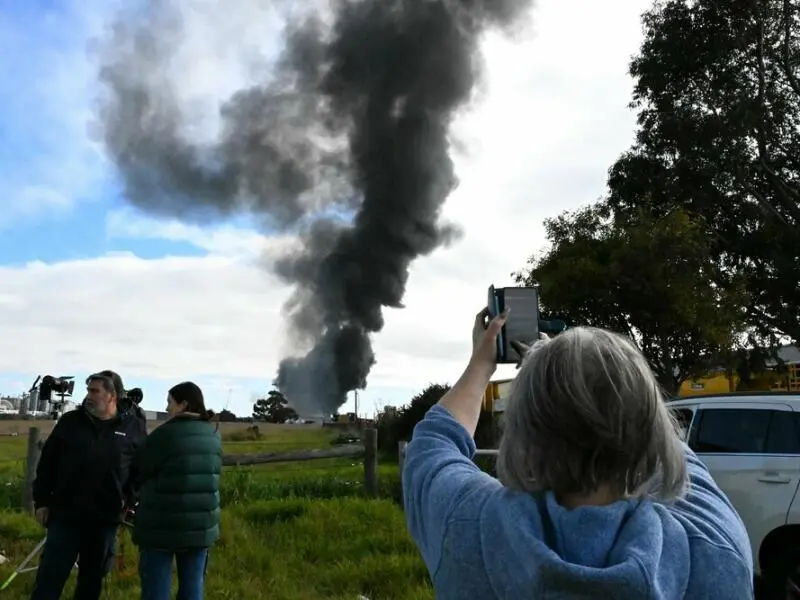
79 234
39 40
87 283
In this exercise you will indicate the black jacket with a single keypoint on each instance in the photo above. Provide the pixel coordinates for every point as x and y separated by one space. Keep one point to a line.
86 471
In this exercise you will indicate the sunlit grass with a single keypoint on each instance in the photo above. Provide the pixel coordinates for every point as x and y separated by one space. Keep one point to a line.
290 549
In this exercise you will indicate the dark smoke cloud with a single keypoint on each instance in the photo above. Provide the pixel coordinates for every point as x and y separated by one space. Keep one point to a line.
354 120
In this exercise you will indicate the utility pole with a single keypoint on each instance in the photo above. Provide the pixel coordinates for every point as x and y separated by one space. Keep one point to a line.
356 400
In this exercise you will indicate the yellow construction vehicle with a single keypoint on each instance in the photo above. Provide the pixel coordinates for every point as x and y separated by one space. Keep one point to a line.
494 398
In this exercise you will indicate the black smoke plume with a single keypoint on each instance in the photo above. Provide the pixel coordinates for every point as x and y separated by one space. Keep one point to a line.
346 143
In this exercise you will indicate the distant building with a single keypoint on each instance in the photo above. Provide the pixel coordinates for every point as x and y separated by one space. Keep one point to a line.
10 402
496 395
33 402
7 405
719 381
156 415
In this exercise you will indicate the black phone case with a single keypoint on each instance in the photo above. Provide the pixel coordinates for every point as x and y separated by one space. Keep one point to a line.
524 319
495 308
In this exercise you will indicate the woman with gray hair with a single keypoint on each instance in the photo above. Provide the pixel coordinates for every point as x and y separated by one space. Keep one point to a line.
597 495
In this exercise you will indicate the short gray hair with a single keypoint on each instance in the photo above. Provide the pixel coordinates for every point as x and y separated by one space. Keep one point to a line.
111 382
585 411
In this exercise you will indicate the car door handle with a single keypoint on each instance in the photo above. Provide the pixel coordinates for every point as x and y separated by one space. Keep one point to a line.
772 477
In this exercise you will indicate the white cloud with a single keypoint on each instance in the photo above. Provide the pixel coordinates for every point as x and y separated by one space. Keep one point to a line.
153 318
226 240
551 122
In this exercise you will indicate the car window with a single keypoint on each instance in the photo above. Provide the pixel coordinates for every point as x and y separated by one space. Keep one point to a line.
783 436
730 430
684 418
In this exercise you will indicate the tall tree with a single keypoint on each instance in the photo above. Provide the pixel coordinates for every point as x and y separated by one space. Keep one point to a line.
719 136
274 408
227 416
653 279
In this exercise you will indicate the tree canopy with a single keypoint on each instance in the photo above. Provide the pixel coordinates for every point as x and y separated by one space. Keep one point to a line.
226 416
719 137
274 408
651 278
398 426
696 243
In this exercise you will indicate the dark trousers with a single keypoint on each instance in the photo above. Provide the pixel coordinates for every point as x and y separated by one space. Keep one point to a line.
155 572
91 544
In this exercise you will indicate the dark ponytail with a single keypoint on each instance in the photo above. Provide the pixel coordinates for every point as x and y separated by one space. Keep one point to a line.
191 395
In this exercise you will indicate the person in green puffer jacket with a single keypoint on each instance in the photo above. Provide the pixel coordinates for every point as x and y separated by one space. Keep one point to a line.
179 511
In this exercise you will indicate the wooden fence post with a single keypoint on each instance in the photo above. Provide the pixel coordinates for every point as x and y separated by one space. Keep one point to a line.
401 457
370 438
34 451
401 461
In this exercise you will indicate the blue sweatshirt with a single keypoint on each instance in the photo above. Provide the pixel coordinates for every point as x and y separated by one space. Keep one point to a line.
481 541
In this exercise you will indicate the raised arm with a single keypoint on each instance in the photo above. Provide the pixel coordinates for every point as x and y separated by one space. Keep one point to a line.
440 481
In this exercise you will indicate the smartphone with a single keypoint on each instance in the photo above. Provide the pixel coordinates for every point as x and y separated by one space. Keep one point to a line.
522 324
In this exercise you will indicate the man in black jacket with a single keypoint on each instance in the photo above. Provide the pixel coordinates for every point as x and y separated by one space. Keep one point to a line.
84 481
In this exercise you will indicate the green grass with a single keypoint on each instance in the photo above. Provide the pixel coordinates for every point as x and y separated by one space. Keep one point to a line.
277 440
292 531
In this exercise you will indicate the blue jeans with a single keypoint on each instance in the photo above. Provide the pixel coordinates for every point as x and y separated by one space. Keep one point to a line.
92 545
155 572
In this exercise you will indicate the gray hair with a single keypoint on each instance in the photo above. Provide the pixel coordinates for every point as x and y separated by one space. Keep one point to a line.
110 381
586 411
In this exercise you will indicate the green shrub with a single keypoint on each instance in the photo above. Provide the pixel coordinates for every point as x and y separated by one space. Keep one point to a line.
398 426
250 434
10 491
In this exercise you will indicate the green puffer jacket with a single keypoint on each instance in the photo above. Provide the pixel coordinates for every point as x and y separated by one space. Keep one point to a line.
180 466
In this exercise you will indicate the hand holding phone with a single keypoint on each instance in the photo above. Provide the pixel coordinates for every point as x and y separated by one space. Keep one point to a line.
521 328
484 335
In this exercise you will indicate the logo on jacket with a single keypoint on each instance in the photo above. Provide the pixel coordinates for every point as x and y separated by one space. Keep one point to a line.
122 433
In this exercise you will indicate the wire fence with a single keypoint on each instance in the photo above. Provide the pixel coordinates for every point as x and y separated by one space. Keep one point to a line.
276 446
13 450
256 469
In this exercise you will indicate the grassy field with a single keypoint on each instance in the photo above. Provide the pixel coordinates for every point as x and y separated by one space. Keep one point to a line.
295 531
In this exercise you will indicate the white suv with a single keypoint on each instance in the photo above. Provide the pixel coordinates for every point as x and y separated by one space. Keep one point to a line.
750 443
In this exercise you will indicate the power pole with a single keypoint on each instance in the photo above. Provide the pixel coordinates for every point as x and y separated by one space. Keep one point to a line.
356 399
